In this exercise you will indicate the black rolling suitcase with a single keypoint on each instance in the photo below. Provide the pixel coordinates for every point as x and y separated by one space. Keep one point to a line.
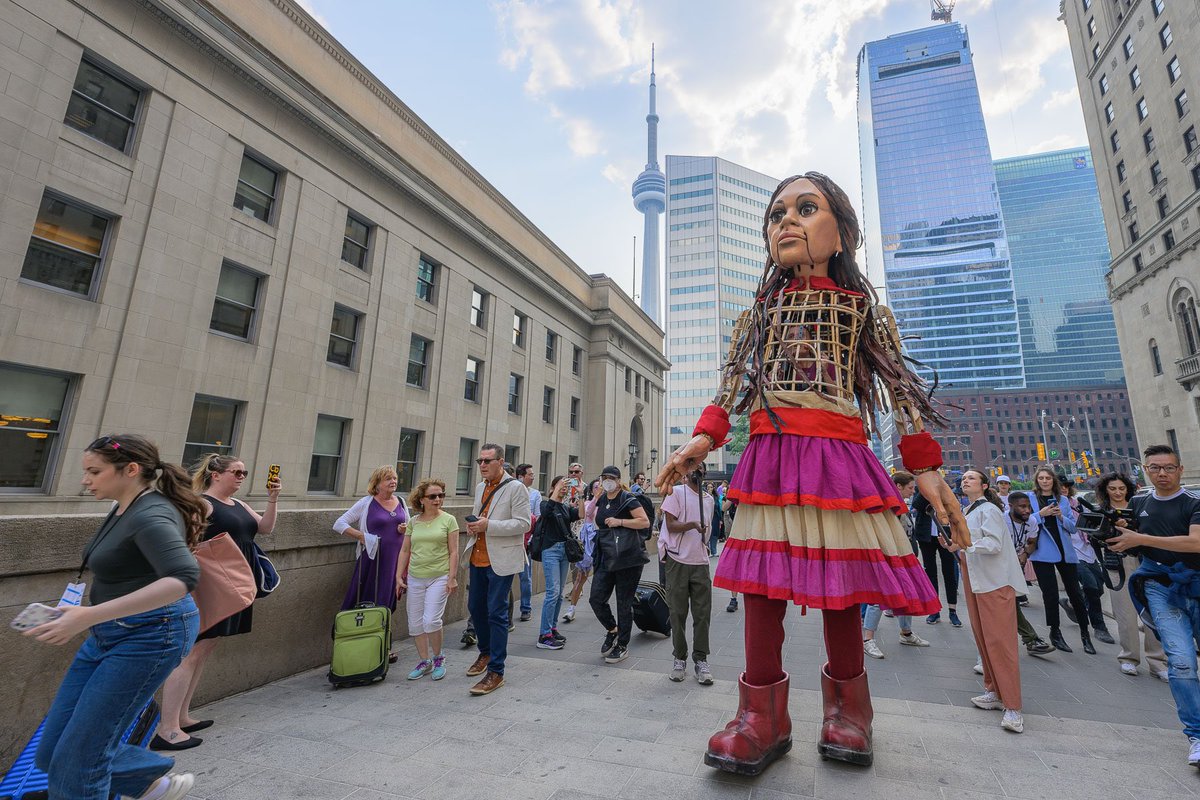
650 612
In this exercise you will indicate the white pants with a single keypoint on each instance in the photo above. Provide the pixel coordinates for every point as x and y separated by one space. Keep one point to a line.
426 601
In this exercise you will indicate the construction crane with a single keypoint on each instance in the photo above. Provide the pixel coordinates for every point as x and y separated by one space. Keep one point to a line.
940 10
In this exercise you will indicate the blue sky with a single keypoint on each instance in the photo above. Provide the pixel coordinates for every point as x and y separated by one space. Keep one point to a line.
548 99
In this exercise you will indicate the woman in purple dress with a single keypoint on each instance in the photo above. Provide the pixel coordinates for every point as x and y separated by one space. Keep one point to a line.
377 522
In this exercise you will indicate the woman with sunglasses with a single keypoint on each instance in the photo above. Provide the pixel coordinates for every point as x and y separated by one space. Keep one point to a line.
428 570
217 478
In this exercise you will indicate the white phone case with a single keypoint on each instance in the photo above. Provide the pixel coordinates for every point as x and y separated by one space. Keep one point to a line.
35 614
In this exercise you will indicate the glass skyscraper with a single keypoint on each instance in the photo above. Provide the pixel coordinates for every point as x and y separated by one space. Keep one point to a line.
932 218
715 258
1059 252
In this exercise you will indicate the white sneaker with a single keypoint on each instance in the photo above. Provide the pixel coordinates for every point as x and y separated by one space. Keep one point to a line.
1013 721
1162 676
1194 752
570 615
704 675
978 668
913 640
678 670
177 788
872 649
988 701
1128 669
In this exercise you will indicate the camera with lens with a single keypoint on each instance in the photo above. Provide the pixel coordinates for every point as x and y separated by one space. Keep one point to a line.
1100 524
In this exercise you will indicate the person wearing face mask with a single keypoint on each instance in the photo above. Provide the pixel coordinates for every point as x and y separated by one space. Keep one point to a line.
682 548
620 554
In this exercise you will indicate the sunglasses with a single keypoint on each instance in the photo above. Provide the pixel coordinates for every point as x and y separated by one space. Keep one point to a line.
237 473
576 472
103 442
482 461
435 496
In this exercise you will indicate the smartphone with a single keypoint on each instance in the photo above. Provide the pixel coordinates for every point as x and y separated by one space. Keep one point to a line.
35 614
272 474
471 518
573 482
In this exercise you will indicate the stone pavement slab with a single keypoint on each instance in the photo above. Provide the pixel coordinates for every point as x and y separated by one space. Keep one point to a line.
566 726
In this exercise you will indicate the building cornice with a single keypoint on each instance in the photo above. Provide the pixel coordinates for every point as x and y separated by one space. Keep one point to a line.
1160 262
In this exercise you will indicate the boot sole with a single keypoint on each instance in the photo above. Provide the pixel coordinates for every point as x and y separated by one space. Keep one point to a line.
748 767
835 753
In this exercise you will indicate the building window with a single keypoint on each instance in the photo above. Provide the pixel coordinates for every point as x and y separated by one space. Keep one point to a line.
1109 113
1103 85
1095 54
551 346
67 246
520 325
512 455
1127 46
514 393
1164 36
479 300
1091 26
1155 358
544 471
576 361
32 403
1134 235
547 404
1173 70
324 472
1137 262
343 337
628 379
1143 110
1148 139
235 307
418 361
1121 171
103 106
574 413
474 378
1127 202
256 188
1181 104
211 429
1115 140
356 243
1155 174
1168 239
1157 5
426 279
407 456
1189 324
1135 78
1087 4
466 464
1164 207
1196 176
1189 139
1172 439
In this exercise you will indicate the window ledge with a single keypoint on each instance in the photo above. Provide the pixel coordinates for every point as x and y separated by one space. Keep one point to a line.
252 222
97 148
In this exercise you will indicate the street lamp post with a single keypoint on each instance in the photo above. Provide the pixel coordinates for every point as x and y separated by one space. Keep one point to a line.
1066 432
632 462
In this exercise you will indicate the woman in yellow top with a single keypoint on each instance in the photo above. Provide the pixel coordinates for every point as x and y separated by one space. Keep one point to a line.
428 569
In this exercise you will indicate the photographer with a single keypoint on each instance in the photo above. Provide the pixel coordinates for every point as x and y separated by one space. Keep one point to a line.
683 549
1167 584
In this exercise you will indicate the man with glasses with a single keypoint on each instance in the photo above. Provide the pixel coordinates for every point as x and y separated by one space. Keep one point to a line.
1166 587
496 552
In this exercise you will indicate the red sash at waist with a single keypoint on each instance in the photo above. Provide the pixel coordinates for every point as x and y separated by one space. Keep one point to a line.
810 422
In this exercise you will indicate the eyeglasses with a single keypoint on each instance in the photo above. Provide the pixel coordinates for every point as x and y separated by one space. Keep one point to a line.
435 496
237 473
1167 468
482 461
575 471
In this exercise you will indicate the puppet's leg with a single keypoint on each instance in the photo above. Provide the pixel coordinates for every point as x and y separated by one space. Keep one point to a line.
762 729
846 730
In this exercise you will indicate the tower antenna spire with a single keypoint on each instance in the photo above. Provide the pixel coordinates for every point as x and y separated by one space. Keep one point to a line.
649 197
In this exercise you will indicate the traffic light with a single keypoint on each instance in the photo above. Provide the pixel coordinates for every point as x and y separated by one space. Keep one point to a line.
1041 450
1087 467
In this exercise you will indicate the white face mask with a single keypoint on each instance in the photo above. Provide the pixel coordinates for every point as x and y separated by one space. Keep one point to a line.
609 486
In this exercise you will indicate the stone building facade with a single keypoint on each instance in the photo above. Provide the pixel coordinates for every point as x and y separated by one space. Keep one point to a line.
1137 64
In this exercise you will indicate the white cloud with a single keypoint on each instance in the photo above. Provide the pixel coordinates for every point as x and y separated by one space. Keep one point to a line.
618 175
1059 142
1061 99
583 137
1021 72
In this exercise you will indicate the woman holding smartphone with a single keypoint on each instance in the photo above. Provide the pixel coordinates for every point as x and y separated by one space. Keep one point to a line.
556 516
142 623
1055 551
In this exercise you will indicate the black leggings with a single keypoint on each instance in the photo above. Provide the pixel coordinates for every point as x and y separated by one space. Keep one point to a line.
931 551
1044 570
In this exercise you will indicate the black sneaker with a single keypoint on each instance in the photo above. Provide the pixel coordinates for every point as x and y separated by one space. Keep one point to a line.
618 653
609 641
954 620
558 636
548 642
733 605
933 619
468 637
526 615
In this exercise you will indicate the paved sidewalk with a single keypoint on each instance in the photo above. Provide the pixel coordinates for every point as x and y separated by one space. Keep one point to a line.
566 726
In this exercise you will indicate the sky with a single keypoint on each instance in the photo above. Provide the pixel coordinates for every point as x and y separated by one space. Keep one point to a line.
547 99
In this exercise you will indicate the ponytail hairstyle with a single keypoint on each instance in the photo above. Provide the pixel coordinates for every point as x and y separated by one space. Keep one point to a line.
210 464
989 493
172 481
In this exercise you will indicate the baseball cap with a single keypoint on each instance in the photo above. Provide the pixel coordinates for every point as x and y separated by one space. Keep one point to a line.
611 470
1003 478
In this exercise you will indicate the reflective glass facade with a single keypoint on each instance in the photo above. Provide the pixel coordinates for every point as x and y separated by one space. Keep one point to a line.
932 218
1059 252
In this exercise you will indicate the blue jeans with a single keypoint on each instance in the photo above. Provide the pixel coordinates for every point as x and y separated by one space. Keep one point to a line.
554 565
487 600
872 614
1179 629
526 577
117 669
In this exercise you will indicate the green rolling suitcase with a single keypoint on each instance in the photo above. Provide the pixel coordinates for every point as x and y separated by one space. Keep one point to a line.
362 639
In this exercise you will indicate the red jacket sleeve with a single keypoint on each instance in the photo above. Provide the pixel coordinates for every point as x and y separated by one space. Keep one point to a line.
920 451
715 422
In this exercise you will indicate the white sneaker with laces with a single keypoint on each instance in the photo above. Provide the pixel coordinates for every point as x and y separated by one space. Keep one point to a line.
1128 669
872 649
1194 752
978 668
173 786
988 701
678 670
1013 721
704 675
913 640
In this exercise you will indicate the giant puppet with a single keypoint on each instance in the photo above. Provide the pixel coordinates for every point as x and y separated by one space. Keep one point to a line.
813 362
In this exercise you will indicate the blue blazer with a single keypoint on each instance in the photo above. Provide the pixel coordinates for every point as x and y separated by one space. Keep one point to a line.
1047 550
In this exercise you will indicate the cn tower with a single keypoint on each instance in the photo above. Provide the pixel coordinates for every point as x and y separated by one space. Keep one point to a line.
650 198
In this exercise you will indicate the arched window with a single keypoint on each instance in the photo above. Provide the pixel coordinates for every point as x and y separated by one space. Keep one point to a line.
1189 324
1155 360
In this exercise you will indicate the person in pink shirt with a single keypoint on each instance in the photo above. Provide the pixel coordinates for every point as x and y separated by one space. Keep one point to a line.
683 549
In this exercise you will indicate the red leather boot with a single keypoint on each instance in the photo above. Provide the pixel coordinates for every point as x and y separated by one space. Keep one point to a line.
846 731
760 733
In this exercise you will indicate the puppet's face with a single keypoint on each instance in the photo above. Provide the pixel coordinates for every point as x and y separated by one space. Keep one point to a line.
801 229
